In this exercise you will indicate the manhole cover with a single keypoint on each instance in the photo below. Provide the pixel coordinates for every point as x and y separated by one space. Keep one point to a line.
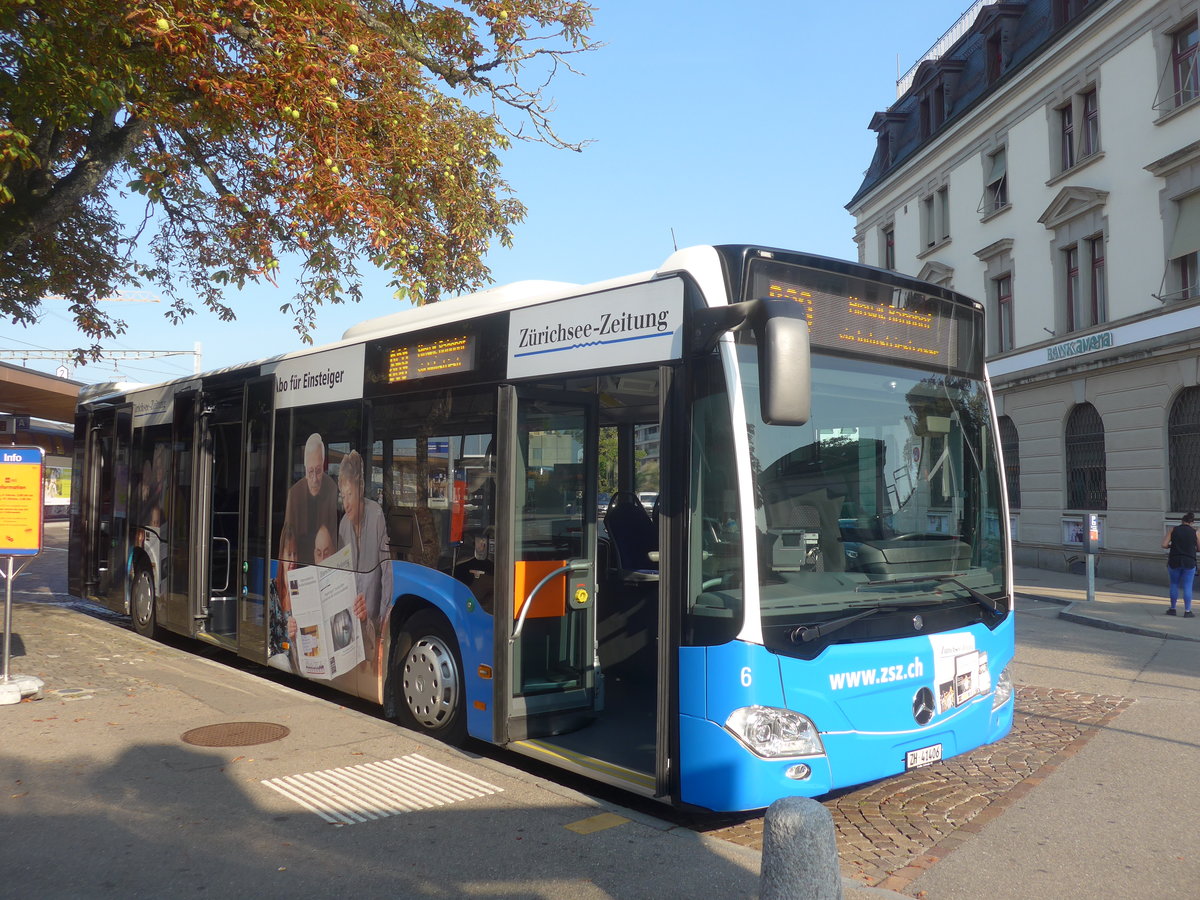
235 734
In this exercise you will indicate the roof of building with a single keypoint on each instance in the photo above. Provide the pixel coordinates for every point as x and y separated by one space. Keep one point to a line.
28 392
959 77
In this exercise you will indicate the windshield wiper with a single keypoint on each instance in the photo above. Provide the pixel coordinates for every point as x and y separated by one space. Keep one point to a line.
803 634
982 599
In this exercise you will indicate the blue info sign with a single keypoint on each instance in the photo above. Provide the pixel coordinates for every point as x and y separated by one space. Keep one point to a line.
21 501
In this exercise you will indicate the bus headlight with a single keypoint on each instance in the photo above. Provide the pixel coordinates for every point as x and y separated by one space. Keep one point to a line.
1003 691
772 732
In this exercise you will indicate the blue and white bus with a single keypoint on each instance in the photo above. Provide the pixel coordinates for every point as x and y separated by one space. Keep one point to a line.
726 531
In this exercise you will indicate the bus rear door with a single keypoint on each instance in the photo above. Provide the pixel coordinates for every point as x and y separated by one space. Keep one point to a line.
105 525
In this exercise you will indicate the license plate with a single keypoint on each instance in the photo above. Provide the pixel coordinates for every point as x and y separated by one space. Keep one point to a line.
926 756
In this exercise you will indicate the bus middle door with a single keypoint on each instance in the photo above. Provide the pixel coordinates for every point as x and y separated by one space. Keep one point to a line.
546 539
216 520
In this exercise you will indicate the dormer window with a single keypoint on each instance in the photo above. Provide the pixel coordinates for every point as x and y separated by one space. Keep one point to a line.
887 126
1066 11
997 23
935 87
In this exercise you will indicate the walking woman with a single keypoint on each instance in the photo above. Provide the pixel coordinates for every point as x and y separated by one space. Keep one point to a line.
1181 563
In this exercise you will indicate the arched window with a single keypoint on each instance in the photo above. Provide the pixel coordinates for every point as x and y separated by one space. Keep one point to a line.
1183 450
1010 448
1086 482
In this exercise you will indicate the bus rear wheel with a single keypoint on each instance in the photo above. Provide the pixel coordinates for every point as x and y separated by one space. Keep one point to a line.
142 607
427 679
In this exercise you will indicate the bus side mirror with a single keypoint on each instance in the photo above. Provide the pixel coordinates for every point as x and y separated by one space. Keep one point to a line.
784 370
781 333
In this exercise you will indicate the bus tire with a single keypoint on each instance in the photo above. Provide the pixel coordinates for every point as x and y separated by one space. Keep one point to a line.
427 678
142 604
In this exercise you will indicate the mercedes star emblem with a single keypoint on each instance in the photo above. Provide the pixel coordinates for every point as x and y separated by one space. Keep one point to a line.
923 706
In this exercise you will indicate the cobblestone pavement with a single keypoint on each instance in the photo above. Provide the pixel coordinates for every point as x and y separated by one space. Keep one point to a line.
891 831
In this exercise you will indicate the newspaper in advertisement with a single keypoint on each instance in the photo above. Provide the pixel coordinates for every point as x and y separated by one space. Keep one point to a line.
327 631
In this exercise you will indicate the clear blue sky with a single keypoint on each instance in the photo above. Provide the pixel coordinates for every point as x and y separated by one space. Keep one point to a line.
724 122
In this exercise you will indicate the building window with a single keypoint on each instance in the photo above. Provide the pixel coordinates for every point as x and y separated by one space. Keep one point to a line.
1010 452
1099 287
1187 272
888 241
997 259
1180 67
1068 10
1078 129
1182 278
995 189
1089 140
935 218
1184 74
995 57
1183 449
1076 216
1085 283
943 208
1002 291
1071 269
883 150
1086 478
1066 137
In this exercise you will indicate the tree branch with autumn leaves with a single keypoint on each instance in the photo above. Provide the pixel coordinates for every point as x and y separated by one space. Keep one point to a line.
329 131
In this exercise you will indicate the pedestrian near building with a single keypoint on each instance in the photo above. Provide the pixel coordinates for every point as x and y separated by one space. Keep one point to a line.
1181 544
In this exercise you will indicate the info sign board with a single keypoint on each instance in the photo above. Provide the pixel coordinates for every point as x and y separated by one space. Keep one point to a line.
21 501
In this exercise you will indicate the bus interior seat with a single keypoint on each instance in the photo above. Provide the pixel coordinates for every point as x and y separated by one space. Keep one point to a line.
633 535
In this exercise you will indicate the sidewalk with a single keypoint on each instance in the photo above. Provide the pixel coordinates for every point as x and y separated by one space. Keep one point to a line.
1117 605
105 792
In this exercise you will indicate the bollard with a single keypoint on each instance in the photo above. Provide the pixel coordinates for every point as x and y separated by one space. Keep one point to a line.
800 859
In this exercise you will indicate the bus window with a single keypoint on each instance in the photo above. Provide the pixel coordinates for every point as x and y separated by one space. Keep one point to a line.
437 468
715 610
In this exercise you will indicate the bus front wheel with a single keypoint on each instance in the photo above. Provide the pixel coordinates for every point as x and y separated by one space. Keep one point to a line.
142 606
427 679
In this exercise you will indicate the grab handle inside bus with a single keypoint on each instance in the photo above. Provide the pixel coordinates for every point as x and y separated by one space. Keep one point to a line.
574 567
781 333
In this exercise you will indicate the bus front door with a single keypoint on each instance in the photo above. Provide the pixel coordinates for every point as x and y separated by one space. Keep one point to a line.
546 539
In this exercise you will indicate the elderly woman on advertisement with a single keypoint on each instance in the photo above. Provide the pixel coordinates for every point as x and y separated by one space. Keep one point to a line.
364 530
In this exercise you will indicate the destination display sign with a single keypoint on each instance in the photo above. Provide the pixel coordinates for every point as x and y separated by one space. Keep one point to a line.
422 359
855 315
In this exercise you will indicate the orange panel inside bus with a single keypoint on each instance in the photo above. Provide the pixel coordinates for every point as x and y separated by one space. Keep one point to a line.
551 600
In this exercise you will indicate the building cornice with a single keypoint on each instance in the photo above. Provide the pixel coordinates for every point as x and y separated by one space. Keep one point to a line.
1173 162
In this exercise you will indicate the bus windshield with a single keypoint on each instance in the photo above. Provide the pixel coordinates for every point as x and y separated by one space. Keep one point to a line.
887 500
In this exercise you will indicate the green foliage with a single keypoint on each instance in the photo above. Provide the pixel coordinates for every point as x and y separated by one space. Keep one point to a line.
333 130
